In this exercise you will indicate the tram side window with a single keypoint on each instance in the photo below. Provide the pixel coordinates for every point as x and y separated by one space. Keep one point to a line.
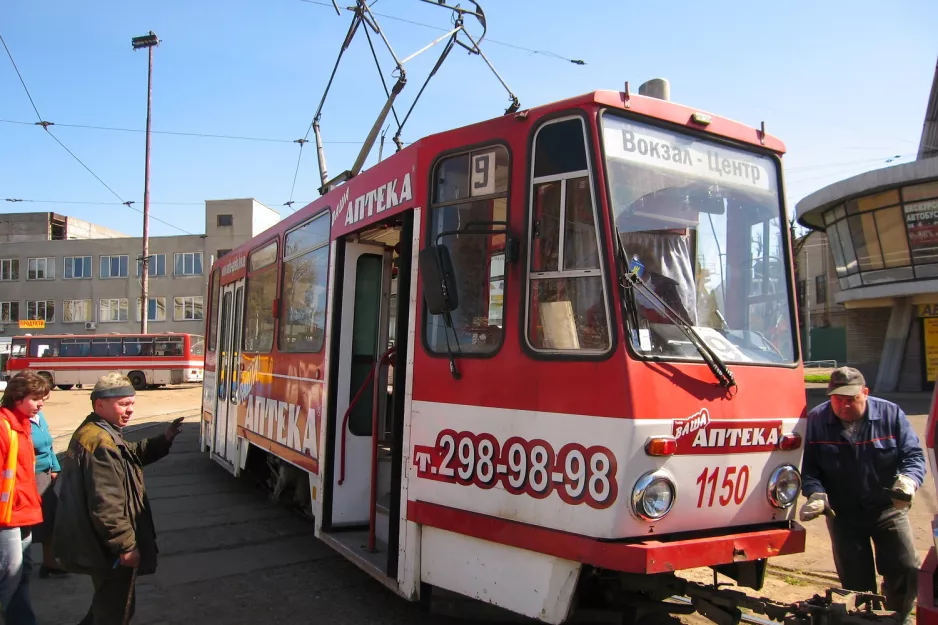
567 308
305 272
471 187
261 292
213 311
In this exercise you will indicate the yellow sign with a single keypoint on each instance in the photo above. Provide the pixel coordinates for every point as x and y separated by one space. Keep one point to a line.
930 340
33 323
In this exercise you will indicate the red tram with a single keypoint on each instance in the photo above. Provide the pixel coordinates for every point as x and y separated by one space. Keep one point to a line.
543 355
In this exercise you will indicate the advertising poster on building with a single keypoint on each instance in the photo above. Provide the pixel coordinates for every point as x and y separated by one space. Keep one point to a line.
930 351
921 221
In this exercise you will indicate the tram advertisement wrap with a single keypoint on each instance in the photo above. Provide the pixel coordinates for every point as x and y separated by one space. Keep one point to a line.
698 435
281 412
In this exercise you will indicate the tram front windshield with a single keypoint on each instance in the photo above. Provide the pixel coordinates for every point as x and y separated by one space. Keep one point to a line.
700 223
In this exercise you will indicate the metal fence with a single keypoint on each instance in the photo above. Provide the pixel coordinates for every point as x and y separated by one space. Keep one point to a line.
820 364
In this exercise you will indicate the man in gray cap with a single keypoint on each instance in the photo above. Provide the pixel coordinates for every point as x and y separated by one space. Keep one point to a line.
862 465
104 525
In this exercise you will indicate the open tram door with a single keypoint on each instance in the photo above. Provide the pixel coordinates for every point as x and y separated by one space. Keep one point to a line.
225 423
370 311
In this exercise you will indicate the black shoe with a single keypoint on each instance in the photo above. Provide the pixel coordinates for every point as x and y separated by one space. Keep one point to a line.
49 571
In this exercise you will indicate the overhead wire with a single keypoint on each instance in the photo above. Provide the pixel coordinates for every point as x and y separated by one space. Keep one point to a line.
45 126
432 27
168 132
16 200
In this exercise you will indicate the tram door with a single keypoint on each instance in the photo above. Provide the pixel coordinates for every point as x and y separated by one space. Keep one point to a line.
225 429
363 338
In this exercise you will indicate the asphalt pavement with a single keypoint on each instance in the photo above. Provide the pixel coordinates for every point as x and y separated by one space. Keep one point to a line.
228 555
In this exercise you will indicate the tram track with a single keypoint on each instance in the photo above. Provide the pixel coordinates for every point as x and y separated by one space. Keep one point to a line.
746 617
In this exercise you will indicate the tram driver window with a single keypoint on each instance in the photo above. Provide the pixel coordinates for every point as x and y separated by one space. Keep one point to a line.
567 308
471 188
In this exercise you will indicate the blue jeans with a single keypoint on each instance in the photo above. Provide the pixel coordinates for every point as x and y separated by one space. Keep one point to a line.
16 565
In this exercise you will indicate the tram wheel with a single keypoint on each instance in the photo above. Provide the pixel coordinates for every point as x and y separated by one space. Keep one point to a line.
65 387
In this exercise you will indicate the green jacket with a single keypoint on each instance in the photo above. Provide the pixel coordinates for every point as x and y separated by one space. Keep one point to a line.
103 510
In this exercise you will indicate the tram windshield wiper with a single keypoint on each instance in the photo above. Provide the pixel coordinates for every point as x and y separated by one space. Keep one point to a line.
631 281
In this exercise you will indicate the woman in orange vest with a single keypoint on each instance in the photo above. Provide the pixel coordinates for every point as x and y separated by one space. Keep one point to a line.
20 505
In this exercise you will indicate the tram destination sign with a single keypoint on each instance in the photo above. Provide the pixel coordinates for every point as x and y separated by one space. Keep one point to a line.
653 147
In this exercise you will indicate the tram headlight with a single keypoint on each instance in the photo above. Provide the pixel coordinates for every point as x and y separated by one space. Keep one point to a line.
784 486
653 496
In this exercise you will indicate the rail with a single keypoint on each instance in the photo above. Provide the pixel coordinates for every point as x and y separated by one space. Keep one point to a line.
351 406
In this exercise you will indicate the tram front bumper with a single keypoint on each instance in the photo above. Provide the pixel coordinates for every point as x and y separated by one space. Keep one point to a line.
645 557
655 556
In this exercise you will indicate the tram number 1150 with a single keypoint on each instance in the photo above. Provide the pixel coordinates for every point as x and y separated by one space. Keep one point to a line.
733 489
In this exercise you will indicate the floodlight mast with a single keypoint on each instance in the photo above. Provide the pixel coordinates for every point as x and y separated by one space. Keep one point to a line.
148 41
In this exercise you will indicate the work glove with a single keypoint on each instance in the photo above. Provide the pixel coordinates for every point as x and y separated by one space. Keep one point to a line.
816 505
902 491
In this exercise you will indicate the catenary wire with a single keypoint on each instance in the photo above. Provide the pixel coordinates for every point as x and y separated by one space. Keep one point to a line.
45 126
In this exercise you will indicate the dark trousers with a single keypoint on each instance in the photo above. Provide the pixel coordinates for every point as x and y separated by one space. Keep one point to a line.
895 558
110 598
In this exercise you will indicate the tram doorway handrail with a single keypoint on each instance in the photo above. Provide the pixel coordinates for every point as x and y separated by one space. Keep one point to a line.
385 357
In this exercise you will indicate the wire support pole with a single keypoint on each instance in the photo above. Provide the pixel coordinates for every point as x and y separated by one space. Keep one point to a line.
145 268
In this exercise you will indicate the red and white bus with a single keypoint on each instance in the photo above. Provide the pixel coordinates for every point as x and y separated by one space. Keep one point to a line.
148 360
542 360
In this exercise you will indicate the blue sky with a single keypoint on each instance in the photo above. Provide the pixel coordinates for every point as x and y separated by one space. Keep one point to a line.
843 84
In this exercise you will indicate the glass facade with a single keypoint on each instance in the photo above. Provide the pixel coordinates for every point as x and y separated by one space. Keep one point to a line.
890 236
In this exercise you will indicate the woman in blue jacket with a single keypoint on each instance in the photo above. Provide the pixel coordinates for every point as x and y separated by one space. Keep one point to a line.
47 469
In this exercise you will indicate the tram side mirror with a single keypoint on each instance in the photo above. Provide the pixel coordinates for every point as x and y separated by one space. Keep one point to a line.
439 280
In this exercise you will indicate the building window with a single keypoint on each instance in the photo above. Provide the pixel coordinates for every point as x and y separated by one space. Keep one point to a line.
42 309
114 266
471 187
885 236
9 312
820 289
566 308
224 220
188 264
156 309
111 310
156 268
77 267
187 308
9 269
261 291
76 310
305 271
41 269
